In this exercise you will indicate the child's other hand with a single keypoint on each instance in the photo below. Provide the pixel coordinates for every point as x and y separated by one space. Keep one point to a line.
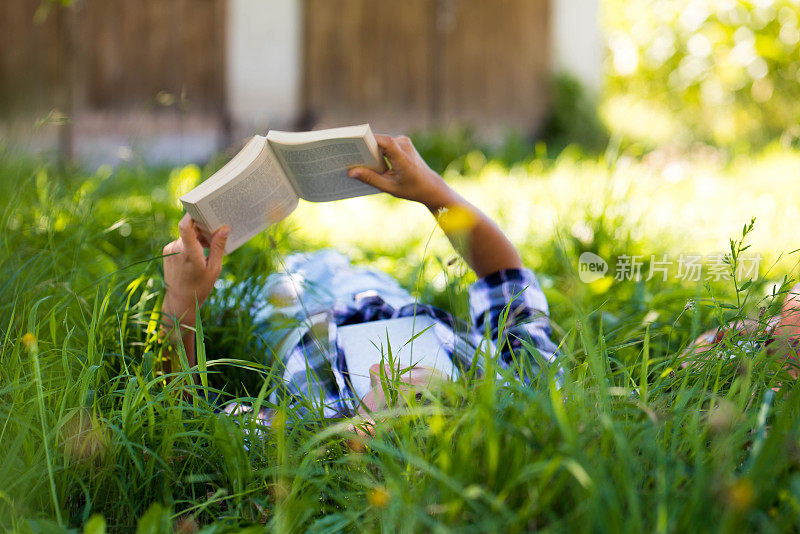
188 273
409 178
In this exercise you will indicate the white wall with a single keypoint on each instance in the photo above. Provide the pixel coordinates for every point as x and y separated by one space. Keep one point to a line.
577 40
263 63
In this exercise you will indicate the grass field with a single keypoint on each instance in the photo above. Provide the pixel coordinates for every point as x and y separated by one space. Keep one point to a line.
92 438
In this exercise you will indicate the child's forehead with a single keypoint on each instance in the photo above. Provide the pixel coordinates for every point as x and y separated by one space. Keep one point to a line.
416 374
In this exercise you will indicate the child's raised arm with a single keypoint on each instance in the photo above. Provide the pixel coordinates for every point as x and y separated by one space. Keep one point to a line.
474 235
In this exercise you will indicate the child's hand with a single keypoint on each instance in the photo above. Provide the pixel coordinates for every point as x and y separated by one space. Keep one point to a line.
188 273
486 249
409 178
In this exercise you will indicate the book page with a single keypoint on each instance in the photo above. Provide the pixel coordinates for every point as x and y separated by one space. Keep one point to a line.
365 344
258 197
318 169
246 157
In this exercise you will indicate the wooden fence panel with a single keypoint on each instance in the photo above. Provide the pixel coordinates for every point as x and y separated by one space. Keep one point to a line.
125 52
416 63
143 47
363 59
495 62
397 63
29 56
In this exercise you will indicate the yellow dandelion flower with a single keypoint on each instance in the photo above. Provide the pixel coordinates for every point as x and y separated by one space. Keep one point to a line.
457 219
379 497
29 340
741 494
436 423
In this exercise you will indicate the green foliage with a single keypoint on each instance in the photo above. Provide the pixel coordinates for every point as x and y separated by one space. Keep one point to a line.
573 121
91 436
730 70
440 148
573 118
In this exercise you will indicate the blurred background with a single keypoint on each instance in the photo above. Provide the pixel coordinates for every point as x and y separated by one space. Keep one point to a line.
666 122
177 80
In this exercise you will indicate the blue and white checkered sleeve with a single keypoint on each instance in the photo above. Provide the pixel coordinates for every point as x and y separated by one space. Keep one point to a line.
308 380
511 305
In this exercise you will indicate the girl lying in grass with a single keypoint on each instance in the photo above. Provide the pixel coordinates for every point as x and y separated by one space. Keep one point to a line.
508 307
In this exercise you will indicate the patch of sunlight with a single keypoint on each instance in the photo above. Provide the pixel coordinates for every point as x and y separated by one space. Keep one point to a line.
697 213
639 119
182 180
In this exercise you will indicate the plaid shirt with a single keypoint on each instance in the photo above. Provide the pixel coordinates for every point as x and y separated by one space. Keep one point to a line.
508 305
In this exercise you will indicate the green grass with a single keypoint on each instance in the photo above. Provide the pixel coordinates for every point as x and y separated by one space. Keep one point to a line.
91 436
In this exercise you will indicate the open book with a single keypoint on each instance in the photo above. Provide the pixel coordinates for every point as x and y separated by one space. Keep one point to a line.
262 184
